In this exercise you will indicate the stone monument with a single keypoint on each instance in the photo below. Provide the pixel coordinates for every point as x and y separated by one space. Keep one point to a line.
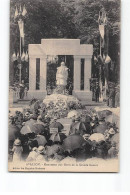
49 47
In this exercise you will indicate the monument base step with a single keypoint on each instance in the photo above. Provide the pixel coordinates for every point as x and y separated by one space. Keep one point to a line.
83 95
38 94
93 103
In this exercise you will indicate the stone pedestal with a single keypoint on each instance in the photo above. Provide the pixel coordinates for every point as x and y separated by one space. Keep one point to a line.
32 74
77 92
87 73
77 73
43 72
33 93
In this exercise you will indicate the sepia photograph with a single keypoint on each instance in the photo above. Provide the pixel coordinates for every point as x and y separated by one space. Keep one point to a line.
64 86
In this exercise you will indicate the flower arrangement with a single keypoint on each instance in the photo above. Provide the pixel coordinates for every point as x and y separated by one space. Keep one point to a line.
74 105
60 109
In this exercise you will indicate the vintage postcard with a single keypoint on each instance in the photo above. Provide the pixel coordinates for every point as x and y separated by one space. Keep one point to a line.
64 86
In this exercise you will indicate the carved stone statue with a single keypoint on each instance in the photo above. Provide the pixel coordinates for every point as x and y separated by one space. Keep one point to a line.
62 75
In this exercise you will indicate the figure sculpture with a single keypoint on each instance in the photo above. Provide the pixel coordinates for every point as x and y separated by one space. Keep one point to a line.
61 78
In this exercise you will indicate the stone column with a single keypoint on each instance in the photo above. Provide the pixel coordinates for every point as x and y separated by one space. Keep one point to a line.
87 73
32 74
43 73
77 73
